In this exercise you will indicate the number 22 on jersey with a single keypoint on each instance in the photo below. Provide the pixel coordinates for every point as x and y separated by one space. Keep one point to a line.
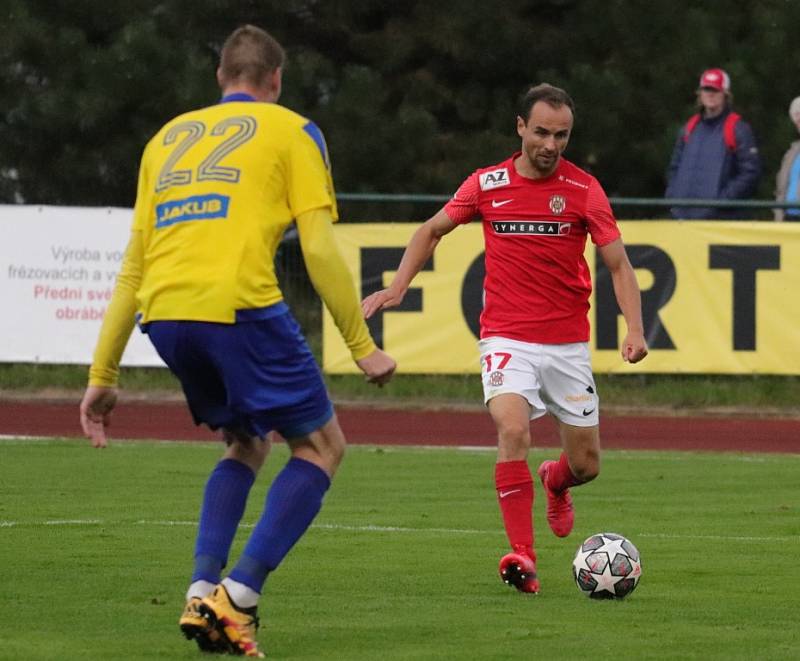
185 135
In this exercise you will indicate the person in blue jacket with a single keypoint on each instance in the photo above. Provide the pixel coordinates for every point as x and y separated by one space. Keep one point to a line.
715 154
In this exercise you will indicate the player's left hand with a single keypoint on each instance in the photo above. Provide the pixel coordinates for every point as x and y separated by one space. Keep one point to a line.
96 407
380 300
634 347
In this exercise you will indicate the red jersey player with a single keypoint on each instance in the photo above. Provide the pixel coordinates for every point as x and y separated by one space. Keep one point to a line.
537 210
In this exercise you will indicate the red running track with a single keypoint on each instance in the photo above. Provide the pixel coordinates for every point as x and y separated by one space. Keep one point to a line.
171 421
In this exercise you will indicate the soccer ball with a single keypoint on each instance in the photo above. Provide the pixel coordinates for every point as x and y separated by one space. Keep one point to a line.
607 566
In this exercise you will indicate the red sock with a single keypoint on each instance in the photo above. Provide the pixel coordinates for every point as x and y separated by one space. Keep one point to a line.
559 475
515 494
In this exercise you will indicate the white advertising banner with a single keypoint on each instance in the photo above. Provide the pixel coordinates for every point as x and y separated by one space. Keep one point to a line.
58 266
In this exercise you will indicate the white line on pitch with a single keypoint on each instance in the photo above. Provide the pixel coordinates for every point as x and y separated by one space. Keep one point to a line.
182 523
336 526
731 538
52 522
371 528
391 529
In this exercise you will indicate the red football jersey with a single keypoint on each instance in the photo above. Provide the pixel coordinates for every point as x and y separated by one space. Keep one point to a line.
537 282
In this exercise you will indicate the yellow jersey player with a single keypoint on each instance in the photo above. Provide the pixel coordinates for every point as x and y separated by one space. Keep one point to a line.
217 189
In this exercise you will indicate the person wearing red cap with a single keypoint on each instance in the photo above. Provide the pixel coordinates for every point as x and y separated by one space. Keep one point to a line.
715 156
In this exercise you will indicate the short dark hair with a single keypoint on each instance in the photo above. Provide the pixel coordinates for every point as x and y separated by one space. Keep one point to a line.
551 95
248 54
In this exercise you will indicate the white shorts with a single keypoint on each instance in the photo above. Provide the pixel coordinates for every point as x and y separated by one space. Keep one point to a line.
555 378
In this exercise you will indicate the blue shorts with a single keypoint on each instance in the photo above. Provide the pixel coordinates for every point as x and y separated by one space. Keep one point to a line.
255 375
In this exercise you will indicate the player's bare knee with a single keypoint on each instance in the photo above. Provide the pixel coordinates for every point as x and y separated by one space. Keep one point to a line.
514 432
512 449
339 447
513 443
335 448
324 447
249 450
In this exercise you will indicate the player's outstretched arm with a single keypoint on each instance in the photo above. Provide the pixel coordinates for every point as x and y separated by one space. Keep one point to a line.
419 250
626 290
333 283
118 323
96 407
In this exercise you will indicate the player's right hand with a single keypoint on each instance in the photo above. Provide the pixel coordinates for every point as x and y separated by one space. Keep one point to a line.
634 347
96 407
378 367
380 300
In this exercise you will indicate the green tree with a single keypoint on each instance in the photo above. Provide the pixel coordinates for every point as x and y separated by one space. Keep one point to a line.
412 96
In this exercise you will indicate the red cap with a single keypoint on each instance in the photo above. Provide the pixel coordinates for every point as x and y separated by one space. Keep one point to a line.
716 79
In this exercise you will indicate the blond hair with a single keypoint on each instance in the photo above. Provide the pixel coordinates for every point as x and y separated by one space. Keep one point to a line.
249 54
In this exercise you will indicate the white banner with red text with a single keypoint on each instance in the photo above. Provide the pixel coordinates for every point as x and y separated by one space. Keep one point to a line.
58 266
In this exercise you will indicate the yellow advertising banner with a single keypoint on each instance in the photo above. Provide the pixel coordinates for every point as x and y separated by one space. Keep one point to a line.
717 298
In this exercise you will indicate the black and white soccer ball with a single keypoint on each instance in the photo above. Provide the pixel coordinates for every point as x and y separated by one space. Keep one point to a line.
607 566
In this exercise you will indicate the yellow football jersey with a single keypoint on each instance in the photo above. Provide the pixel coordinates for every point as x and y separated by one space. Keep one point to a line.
217 189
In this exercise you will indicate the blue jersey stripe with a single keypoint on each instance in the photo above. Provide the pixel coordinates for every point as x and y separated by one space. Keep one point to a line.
316 135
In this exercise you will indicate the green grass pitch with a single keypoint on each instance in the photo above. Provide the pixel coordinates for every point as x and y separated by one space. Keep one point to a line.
96 548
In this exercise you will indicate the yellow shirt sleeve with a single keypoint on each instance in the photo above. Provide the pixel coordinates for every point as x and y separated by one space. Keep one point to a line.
332 280
309 179
120 317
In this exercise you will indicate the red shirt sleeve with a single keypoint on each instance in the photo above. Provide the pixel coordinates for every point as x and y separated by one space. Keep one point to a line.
599 217
463 206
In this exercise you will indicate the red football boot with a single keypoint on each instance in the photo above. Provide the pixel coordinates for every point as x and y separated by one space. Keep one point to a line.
519 569
560 512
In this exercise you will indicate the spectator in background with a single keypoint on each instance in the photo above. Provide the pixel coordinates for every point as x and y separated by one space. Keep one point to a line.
787 184
715 155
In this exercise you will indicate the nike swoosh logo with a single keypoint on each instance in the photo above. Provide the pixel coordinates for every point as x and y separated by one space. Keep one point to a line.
589 412
503 494
500 203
